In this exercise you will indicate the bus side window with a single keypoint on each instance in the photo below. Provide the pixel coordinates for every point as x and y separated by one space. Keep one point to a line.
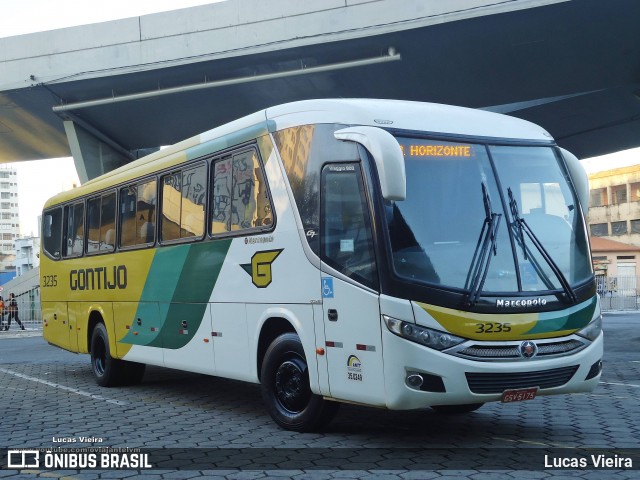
146 213
137 216
250 203
346 235
128 216
222 186
52 232
101 223
194 194
74 238
239 195
93 225
107 240
183 202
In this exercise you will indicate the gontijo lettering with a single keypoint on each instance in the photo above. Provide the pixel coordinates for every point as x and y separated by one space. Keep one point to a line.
437 150
99 278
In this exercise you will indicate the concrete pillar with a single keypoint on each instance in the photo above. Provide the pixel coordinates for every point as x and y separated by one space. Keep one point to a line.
91 155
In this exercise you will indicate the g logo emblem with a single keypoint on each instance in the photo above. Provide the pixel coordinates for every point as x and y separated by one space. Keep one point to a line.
260 267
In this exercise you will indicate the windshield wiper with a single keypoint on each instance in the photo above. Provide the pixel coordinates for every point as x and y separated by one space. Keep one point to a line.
486 246
522 228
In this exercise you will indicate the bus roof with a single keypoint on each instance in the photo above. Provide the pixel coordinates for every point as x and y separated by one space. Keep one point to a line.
406 115
396 114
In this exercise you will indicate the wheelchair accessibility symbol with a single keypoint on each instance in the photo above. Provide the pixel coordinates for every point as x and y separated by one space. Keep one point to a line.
327 287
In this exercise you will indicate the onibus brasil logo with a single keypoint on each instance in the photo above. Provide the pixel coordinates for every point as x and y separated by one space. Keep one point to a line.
105 458
260 267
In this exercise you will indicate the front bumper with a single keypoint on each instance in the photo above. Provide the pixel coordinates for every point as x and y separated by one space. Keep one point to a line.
468 381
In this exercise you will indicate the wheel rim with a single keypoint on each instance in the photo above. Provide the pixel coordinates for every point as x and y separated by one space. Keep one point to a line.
292 385
99 358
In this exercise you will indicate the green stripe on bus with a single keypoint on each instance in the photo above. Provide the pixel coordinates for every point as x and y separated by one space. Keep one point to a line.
160 286
575 318
197 277
185 274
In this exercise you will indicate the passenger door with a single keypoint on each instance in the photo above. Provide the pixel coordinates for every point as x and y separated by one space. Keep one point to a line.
349 282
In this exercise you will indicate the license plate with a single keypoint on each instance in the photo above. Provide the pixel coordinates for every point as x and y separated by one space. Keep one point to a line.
519 395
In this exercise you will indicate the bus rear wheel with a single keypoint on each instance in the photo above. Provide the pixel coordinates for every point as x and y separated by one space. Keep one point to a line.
109 371
286 391
106 369
457 409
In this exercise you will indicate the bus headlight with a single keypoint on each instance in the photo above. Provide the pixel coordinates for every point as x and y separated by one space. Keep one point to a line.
592 330
422 335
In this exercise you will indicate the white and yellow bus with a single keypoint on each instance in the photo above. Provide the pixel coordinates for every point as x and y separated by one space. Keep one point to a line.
393 254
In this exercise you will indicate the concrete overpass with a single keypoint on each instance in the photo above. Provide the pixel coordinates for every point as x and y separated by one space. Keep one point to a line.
107 92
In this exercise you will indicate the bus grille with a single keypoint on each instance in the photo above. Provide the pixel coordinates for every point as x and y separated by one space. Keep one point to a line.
499 382
504 352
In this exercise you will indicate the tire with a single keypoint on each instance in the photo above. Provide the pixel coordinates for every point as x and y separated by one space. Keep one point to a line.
457 409
285 388
107 370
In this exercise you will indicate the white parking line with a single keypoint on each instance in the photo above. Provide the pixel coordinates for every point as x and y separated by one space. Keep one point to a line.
64 387
530 442
617 397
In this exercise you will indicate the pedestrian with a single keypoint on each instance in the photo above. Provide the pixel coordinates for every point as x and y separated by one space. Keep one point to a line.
2 312
12 308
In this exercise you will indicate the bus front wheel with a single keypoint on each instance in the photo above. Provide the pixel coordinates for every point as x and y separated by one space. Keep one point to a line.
285 387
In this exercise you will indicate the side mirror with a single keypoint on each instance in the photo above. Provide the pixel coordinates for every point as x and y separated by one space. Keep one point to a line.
386 152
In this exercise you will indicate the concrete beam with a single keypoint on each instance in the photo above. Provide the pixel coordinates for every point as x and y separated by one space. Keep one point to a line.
220 30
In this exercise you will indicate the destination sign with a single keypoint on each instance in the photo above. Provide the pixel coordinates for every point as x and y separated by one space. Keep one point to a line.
437 150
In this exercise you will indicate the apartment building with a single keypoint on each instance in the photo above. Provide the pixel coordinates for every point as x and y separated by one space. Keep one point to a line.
614 206
27 254
9 219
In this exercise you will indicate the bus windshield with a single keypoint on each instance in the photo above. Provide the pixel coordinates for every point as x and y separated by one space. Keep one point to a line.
446 230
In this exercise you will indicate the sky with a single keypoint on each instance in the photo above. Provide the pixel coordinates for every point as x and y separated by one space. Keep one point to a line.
42 179
625 158
37 181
